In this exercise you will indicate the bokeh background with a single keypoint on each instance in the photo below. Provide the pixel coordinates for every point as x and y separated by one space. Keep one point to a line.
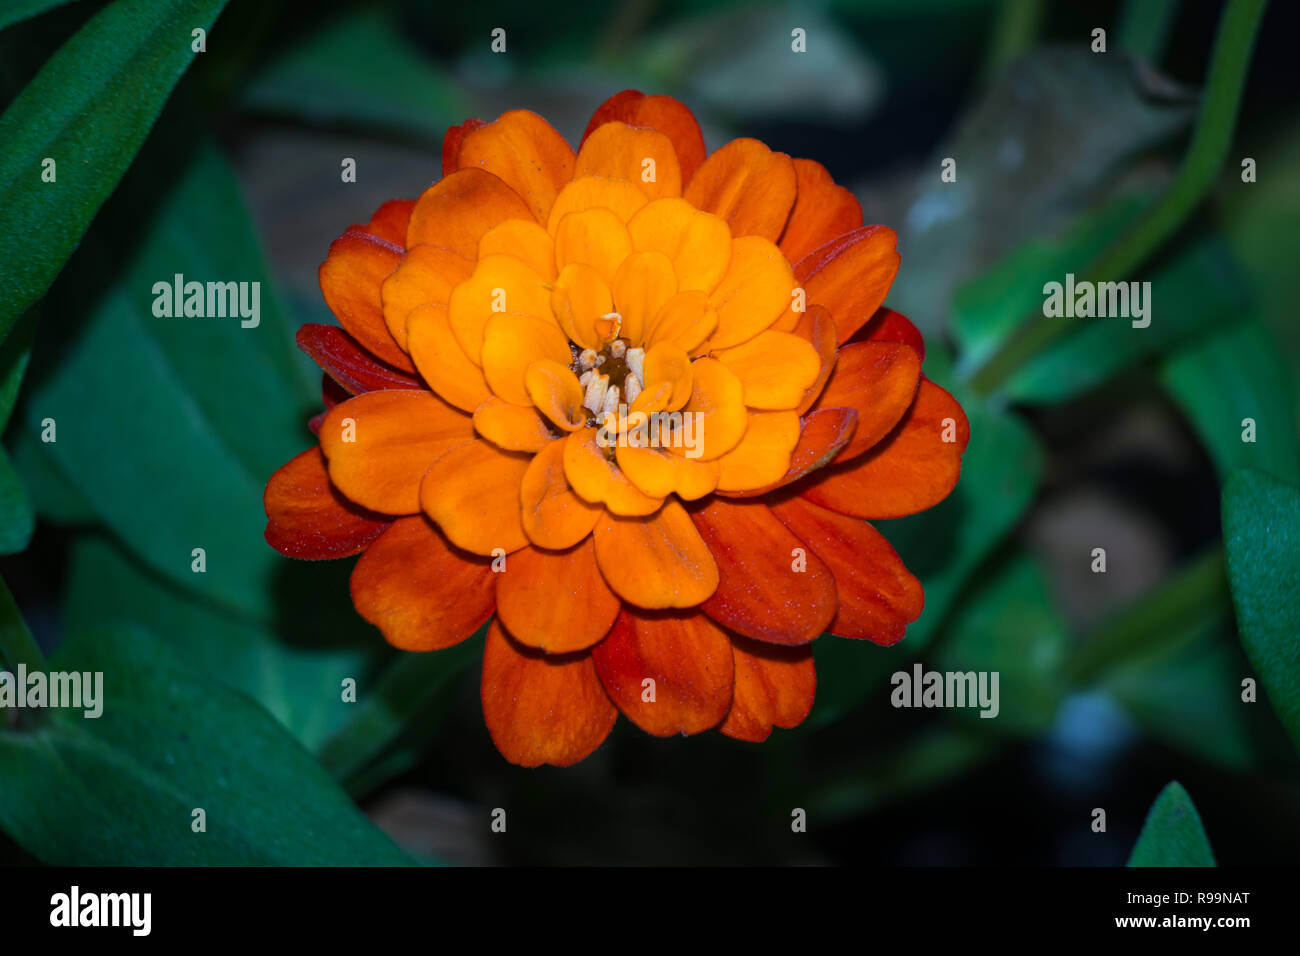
224 686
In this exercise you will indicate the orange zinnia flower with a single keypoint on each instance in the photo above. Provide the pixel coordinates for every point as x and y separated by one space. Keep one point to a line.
483 449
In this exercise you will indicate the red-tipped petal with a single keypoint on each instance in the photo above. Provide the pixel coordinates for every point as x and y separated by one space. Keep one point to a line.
911 470
350 279
308 518
822 211
824 433
890 326
339 355
663 113
774 687
878 596
851 275
769 586
879 381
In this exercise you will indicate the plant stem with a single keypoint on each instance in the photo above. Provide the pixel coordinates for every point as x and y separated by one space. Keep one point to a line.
1144 27
1205 155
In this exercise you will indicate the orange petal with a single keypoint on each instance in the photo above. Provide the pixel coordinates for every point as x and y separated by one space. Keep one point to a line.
306 517
459 209
579 300
390 221
451 143
717 397
426 276
556 601
472 492
749 186
555 390
851 276
763 455
660 473
670 364
511 343
619 196
656 562
769 585
421 592
685 320
754 292
442 361
698 244
553 516
774 686
642 286
526 152
775 369
878 380
878 596
911 470
890 326
350 279
663 113
643 156
542 708
526 241
597 479
511 427
817 328
380 444
823 434
499 285
596 237
686 657
822 211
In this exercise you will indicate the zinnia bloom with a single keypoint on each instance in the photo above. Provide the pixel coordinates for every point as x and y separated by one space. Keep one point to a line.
482 449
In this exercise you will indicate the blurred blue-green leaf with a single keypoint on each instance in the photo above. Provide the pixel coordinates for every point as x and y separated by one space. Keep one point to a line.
170 426
358 71
1173 834
298 685
125 786
88 110
1234 374
17 515
1261 534
1009 625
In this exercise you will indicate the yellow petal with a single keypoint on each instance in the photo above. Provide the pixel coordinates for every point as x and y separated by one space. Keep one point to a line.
511 343
753 293
556 392
669 363
553 516
775 368
642 286
511 427
579 300
596 237
590 192
763 455
686 320
500 284
644 156
526 241
441 360
697 243
595 477
427 276
718 399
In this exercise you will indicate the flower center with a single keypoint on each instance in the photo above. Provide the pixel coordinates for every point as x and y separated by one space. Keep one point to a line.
611 376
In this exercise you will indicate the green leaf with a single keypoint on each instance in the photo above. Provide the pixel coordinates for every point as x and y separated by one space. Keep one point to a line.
1173 834
331 76
16 10
88 109
1195 287
121 789
1261 534
1010 626
943 546
170 426
300 685
17 516
1232 375
991 307
53 495
397 716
